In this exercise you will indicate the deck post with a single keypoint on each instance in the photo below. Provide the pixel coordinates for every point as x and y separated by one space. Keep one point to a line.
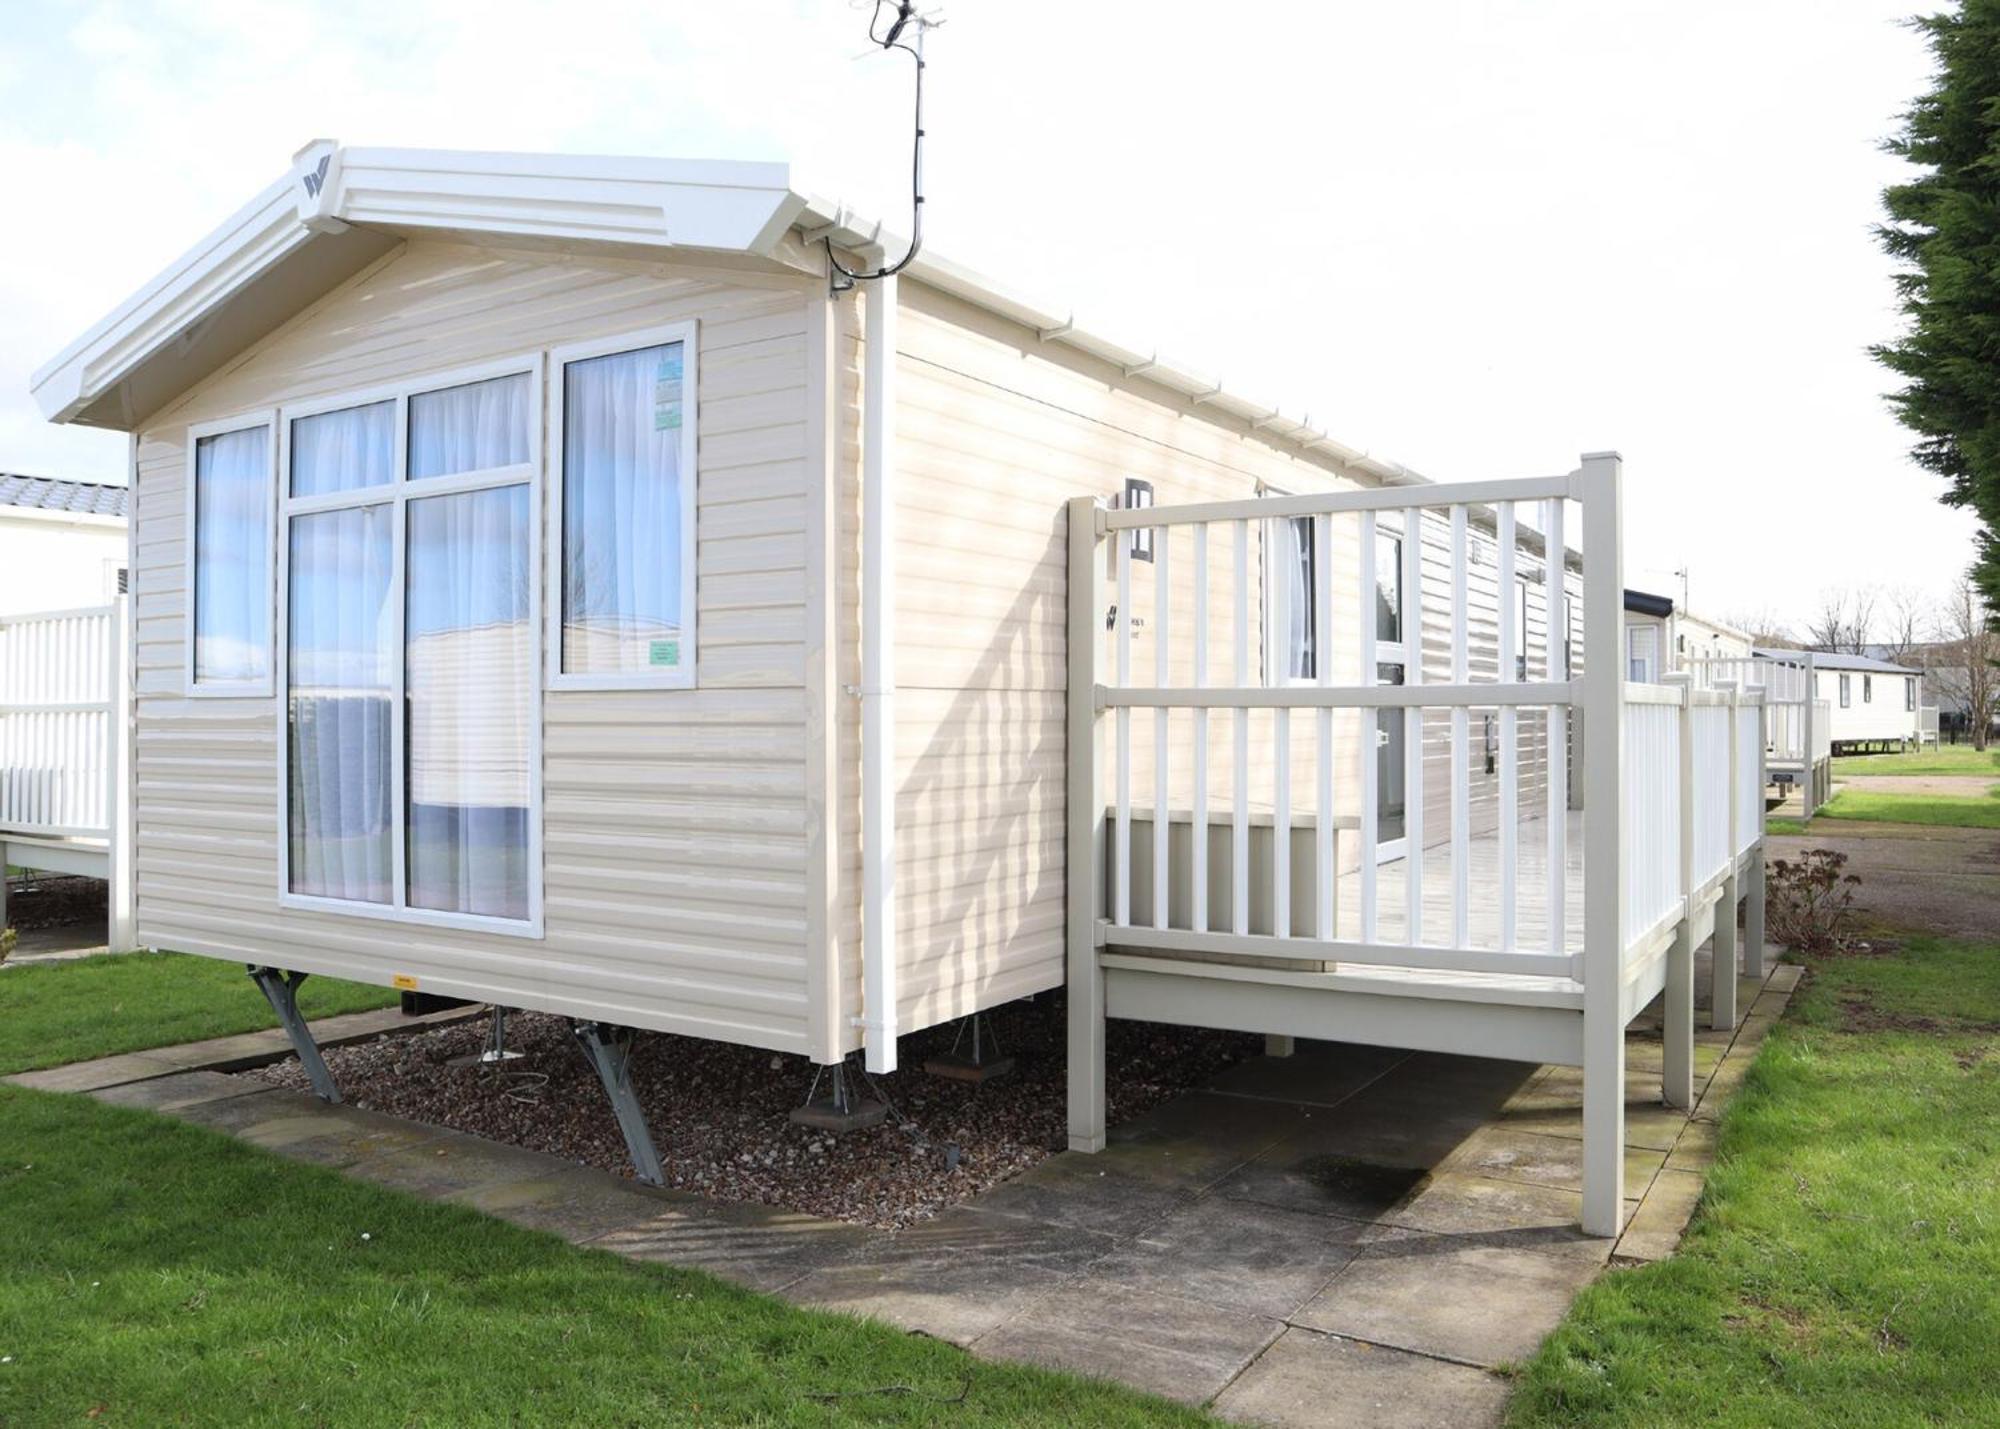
1085 794
1723 949
1753 893
121 925
1677 1030
1598 488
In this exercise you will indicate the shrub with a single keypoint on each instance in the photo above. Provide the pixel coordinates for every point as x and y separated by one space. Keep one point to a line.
1811 902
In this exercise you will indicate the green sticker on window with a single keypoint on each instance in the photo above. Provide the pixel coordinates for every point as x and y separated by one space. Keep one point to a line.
664 652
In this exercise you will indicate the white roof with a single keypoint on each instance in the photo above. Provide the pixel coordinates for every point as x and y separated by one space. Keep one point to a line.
338 209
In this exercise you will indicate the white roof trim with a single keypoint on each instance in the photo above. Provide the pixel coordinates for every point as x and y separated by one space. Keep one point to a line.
665 203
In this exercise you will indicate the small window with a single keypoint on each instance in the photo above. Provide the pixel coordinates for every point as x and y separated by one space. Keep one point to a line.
1388 588
1867 689
1295 645
1910 695
345 450
625 610
1642 653
1846 691
229 559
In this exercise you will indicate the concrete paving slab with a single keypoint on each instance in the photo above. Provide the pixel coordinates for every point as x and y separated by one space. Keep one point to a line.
1394 1293
1235 1255
1194 1140
92 1076
1695 1151
758 1247
575 1202
975 1233
1180 1348
446 1165
1086 1192
1506 1154
1316 1074
1456 1204
180 1089
1302 1176
1309 1379
1654 1232
337 1136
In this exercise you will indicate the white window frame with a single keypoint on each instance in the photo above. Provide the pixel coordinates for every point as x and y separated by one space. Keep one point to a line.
268 418
398 493
684 677
1867 689
1846 691
1909 694
1275 659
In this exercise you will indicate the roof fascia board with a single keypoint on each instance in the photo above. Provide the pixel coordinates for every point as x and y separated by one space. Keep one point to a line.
41 515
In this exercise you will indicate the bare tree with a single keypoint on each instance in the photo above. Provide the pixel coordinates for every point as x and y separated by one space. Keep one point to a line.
1966 663
1763 627
1844 622
1905 625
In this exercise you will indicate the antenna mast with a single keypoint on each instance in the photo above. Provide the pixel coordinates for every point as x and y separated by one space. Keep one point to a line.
840 277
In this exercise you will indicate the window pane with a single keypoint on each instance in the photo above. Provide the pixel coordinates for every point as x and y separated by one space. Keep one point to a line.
232 554
1295 568
622 496
472 688
345 450
476 427
1389 588
340 682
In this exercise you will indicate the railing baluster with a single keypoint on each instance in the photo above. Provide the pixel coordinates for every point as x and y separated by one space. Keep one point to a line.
1121 856
1513 642
1278 670
1239 846
1413 726
1461 771
1556 656
1326 877
1162 656
1198 848
1370 732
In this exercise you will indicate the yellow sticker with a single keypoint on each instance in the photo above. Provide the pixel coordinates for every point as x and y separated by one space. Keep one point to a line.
403 982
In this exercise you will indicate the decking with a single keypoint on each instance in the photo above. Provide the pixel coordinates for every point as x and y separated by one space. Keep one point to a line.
1360 682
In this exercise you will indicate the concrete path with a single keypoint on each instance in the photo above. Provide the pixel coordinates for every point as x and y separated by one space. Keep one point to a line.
1349 1226
84 939
1914 878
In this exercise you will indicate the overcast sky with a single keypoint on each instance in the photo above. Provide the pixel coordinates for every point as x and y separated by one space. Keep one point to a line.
1475 238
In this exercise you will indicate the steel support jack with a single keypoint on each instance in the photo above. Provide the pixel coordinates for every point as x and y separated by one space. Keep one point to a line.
495 1050
838 1109
281 990
983 1065
608 1049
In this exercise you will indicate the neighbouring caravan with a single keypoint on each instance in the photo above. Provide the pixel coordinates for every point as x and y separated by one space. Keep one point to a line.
1873 704
552 590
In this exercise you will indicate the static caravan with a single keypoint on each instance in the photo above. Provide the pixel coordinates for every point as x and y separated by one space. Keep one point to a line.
1698 638
1649 636
1873 704
554 587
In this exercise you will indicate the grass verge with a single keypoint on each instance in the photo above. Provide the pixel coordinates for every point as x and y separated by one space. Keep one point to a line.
160 1273
1940 759
1844 1267
1943 810
51 1013
1784 826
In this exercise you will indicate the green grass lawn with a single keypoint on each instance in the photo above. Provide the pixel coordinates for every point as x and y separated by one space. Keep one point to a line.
1844 1267
51 1013
1784 826
1951 810
1940 759
159 1273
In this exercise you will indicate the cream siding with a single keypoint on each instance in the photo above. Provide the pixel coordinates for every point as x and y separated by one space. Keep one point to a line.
676 822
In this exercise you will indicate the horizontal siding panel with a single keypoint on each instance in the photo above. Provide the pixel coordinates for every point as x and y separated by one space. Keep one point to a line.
674 821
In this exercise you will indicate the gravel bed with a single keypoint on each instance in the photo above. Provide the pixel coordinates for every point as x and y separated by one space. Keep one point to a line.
718 1111
37 901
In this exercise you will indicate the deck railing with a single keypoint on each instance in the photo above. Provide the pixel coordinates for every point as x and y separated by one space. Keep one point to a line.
60 678
1673 776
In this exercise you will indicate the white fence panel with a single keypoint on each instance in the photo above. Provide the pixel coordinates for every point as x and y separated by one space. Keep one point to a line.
1749 780
1711 790
58 683
1652 777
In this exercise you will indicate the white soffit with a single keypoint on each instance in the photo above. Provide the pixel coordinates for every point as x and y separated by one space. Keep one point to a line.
339 209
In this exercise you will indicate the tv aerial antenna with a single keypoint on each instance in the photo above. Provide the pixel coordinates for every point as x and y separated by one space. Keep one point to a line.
905 32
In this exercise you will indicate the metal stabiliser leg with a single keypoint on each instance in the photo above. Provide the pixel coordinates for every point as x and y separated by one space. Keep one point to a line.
281 990
985 1062
609 1051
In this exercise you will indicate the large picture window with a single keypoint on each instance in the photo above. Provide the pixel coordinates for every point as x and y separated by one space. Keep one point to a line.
230 485
412 721
624 589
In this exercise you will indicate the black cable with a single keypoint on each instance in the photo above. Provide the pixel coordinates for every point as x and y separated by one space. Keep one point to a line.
843 277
